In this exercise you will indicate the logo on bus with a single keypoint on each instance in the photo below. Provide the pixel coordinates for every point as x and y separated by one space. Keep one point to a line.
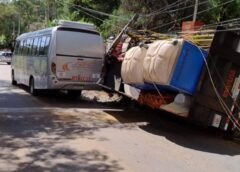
76 66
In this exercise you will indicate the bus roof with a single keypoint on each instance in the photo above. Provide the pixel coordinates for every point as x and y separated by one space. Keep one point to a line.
77 25
61 24
36 33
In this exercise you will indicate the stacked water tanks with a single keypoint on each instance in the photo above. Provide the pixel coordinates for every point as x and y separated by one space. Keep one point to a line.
174 65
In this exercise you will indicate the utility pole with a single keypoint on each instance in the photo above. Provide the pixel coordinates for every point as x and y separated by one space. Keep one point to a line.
195 11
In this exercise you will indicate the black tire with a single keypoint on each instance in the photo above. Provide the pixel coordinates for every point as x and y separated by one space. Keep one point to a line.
8 63
14 82
74 93
32 89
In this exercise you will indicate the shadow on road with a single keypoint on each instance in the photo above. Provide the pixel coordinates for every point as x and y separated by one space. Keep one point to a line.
48 141
40 141
82 163
61 99
179 131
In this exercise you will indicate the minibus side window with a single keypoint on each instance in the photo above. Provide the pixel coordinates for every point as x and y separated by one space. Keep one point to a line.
20 48
41 52
35 46
24 50
17 46
38 46
30 52
46 46
29 46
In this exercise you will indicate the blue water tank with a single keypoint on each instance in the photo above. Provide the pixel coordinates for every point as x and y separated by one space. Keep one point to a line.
188 68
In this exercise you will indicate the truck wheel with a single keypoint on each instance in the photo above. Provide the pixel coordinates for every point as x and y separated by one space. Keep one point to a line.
14 82
74 93
32 89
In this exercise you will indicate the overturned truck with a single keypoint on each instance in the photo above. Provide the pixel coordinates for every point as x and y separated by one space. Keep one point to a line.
179 77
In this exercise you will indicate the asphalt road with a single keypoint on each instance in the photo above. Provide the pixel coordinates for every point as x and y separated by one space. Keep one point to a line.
55 133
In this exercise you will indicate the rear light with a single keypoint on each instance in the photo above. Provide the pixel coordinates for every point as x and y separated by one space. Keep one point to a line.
53 68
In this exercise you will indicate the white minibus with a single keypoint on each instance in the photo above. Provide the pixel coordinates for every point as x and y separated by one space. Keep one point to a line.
66 57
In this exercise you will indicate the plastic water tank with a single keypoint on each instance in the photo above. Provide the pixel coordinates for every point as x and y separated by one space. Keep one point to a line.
160 61
132 66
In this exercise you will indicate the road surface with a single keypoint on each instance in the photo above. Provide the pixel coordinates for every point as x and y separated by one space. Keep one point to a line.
55 133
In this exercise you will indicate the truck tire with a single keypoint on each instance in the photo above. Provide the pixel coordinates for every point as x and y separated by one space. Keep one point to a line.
74 93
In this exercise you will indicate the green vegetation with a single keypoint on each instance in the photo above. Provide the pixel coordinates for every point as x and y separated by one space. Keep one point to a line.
19 16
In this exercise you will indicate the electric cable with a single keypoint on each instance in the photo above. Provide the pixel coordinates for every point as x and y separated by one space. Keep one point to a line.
161 26
183 8
82 11
221 101
157 12
96 11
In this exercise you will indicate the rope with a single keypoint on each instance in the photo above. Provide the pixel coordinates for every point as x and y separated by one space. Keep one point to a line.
159 93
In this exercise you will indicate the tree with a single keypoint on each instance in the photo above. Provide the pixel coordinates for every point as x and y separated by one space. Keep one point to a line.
220 12
155 15
8 17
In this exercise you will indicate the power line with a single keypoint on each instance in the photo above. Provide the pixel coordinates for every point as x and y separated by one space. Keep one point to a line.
222 23
96 11
158 27
87 13
192 14
233 25
174 4
221 101
183 8
83 12
179 9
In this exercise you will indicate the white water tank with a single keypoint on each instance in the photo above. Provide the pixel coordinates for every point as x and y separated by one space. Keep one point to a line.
132 66
160 61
